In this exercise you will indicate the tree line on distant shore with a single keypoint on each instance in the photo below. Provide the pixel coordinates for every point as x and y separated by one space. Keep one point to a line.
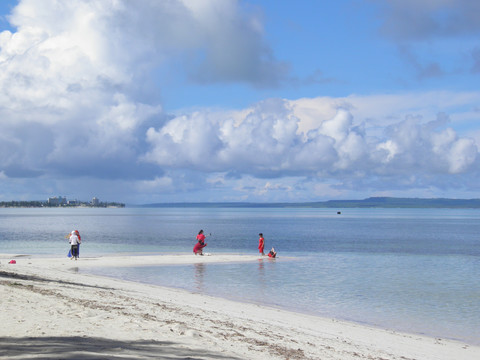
35 204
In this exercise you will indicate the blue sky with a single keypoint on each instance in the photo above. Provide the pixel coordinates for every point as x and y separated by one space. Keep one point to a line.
222 100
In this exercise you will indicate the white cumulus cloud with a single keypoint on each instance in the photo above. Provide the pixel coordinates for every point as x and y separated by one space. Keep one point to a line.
80 105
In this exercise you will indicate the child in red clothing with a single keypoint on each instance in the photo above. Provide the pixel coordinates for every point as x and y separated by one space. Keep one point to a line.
261 244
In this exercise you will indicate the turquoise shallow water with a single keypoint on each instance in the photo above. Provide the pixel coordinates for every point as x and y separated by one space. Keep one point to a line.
414 270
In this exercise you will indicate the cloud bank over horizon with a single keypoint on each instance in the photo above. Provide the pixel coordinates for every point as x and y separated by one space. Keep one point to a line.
81 114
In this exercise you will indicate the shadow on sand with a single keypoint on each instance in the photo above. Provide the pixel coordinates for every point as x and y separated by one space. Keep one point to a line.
13 275
97 348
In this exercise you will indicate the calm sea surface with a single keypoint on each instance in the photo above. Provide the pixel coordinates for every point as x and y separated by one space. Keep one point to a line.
414 270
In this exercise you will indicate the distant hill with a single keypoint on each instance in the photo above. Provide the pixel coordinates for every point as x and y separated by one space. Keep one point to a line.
391 202
372 202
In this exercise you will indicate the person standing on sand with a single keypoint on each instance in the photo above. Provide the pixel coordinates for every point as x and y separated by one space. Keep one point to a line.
198 248
74 242
261 244
79 242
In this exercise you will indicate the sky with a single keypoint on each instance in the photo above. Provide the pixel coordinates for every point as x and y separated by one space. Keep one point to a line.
158 101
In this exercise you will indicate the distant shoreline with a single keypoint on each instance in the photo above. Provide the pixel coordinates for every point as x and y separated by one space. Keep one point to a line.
62 207
369 203
42 204
372 202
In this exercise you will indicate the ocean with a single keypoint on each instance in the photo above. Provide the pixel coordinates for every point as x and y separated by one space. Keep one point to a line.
412 270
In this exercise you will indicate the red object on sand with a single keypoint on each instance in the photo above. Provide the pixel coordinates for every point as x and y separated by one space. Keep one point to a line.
12 262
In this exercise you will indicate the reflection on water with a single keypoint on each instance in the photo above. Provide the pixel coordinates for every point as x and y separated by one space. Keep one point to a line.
261 271
261 277
199 276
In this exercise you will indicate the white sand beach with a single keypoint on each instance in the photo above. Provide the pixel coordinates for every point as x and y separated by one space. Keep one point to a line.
50 311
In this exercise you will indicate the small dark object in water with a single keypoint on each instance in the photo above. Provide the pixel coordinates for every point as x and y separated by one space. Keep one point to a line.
339 212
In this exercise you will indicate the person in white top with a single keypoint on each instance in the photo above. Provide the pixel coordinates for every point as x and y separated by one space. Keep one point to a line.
74 242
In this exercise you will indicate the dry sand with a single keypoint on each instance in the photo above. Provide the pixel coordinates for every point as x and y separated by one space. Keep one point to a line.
50 311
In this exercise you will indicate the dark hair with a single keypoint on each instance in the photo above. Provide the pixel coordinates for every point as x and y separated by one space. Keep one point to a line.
201 231
261 234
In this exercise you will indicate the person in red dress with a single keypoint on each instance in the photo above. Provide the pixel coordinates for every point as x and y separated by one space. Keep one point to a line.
261 244
198 248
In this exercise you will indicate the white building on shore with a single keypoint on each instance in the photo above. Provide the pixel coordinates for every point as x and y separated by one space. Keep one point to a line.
57 201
